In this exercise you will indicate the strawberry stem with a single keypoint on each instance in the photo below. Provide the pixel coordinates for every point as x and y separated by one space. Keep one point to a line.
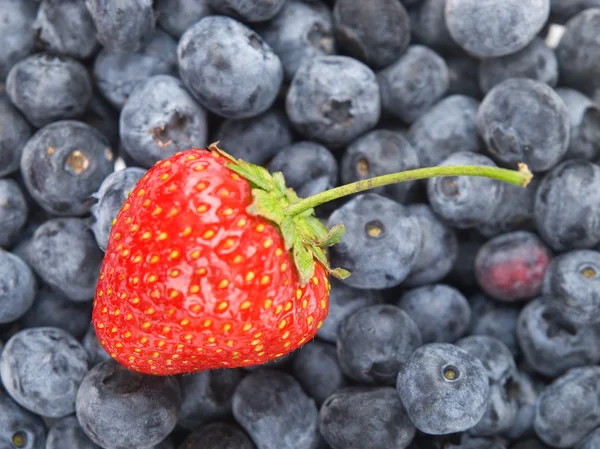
520 177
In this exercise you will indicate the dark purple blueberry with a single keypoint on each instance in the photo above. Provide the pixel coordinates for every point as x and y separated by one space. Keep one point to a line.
13 212
463 71
16 32
428 25
14 132
66 433
563 10
584 142
462 273
217 435
248 10
495 319
104 118
527 393
19 428
176 16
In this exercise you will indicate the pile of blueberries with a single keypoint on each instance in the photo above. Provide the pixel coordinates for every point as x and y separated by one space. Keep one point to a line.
472 316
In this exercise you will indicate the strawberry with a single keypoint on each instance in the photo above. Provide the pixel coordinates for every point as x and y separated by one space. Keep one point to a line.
203 270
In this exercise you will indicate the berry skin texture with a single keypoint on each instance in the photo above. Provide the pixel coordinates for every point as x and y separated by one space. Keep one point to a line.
14 133
19 425
13 212
17 287
16 32
66 433
191 281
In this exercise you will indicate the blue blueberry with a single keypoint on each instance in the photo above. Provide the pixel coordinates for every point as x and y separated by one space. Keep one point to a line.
66 28
564 205
567 410
42 369
428 25
110 197
120 409
256 139
563 10
116 73
14 132
343 301
413 83
448 127
441 312
17 287
573 283
102 116
228 67
463 71
207 395
495 319
462 273
48 88
444 389
318 370
159 119
381 243
63 164
51 309
376 153
333 100
124 27
94 349
524 120
551 344
176 16
584 142
248 10
301 31
536 61
275 412
528 391
376 32
308 167
217 435
461 201
365 418
16 32
66 433
13 212
19 428
439 248
592 441
490 29
64 253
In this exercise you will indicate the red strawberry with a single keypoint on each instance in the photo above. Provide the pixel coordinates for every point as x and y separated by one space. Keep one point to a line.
194 278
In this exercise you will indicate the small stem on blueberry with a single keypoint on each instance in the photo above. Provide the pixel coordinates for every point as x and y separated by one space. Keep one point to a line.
520 177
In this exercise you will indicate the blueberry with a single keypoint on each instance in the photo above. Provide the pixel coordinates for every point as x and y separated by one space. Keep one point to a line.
444 388
94 349
19 428
578 50
42 369
439 248
14 132
206 396
441 312
343 301
551 344
256 139
563 10
308 167
104 118
124 27
176 16
16 32
377 153
116 73
489 29
428 25
462 273
120 409
109 199
51 309
469 442
585 125
503 379
159 119
65 27
365 418
66 433
301 31
228 67
592 441
536 61
511 266
527 395
217 435
495 319
462 201
573 283
413 83
248 10
463 73
281 363
272 408
381 244
448 127
318 370
48 88
567 410
376 32
65 255
63 164
564 202
13 212
333 100
524 120
17 287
